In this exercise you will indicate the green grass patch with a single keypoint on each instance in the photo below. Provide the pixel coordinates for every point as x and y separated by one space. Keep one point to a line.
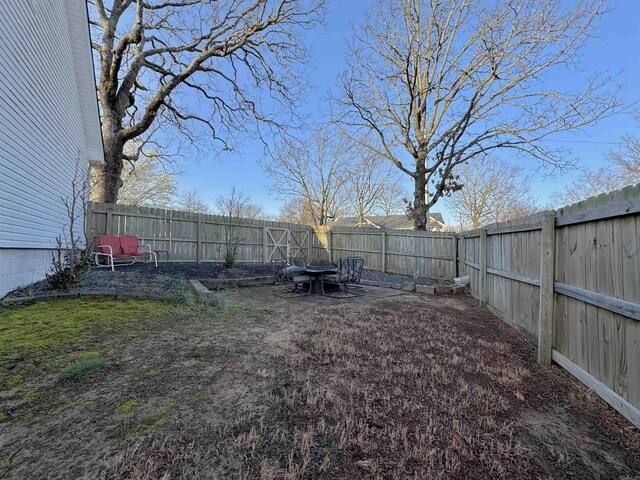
82 368
157 420
152 373
202 397
88 355
50 324
126 407
14 381
31 395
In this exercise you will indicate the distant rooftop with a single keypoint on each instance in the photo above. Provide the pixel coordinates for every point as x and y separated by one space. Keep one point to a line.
398 222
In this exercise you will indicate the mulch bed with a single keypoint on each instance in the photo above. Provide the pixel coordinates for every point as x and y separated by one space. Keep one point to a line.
170 280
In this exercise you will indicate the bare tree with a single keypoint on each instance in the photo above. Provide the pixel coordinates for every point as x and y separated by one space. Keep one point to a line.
191 201
72 253
314 170
589 184
237 204
371 175
439 82
234 207
296 210
156 55
146 183
626 161
623 169
494 191
390 200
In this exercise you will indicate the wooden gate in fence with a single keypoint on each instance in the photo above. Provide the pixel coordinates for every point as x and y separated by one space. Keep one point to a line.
281 244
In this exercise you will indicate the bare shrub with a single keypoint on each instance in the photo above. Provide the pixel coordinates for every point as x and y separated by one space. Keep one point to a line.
71 256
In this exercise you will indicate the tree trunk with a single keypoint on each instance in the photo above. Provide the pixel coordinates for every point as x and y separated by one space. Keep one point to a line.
419 205
113 150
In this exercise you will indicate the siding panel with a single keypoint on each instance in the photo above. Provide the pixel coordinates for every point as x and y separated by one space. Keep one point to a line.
42 126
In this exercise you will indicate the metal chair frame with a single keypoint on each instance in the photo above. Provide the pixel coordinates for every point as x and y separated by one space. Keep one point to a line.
355 265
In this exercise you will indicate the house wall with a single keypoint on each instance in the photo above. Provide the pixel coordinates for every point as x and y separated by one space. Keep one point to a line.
46 128
22 267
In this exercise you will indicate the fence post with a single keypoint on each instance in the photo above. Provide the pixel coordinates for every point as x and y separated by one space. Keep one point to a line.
384 251
265 248
483 268
199 239
310 244
547 272
462 270
109 228
88 227
454 256
330 246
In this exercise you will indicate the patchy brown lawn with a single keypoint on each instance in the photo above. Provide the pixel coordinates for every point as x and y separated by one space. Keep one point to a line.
373 387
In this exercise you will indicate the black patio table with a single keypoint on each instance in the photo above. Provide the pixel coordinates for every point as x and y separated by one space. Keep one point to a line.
316 272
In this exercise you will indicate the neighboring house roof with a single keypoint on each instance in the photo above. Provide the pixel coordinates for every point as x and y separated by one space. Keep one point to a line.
397 222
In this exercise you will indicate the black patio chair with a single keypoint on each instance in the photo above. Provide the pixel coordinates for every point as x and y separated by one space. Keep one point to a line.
355 265
294 276
339 278
299 262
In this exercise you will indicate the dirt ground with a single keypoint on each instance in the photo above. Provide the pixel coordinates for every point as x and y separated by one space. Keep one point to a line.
377 386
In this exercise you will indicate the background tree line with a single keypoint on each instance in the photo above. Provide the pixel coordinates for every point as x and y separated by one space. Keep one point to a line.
433 93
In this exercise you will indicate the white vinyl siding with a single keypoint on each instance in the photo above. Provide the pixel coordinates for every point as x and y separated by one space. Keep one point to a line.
42 129
79 33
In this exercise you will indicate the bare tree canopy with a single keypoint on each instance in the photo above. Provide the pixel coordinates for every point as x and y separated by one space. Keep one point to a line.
191 201
370 176
390 200
237 204
314 170
494 191
439 82
625 161
296 210
623 169
146 183
190 62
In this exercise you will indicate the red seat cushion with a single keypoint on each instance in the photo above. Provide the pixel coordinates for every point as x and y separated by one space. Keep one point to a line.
129 244
111 240
121 255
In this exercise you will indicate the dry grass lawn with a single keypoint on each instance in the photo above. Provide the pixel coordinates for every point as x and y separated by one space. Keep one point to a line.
401 387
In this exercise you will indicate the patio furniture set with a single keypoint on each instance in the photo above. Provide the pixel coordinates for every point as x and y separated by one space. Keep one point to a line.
314 278
117 250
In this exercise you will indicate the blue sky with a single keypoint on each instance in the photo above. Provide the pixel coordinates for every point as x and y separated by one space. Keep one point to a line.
615 49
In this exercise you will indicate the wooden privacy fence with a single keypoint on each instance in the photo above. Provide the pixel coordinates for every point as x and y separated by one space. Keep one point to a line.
570 281
194 237
425 254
